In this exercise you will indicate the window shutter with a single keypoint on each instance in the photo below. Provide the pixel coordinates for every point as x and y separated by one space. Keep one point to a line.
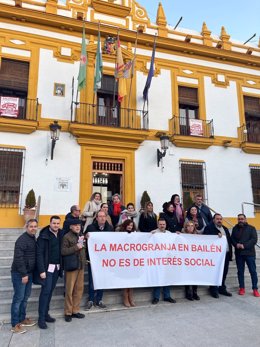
14 75
255 178
252 105
107 84
188 96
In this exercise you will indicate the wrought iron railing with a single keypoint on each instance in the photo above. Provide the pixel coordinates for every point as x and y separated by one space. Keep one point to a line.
250 132
119 117
192 127
27 109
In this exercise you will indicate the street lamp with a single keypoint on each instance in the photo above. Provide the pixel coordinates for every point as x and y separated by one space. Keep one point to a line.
164 139
55 129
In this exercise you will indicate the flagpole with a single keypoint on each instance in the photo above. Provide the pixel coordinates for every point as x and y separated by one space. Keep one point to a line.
72 96
95 91
132 71
115 80
146 101
76 103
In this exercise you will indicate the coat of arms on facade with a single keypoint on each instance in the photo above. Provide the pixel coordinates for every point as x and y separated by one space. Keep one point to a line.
110 45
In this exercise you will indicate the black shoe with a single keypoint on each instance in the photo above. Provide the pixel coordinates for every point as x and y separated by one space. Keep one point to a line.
225 292
195 296
171 300
78 315
42 325
155 301
50 319
189 297
214 295
67 318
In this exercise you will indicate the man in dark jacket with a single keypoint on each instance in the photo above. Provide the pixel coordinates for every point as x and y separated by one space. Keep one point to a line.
49 266
244 239
217 228
95 296
73 214
22 269
203 209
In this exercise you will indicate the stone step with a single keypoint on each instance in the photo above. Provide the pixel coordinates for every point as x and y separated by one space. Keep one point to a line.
112 298
7 252
6 245
5 270
13 231
7 292
5 304
6 281
6 260
8 237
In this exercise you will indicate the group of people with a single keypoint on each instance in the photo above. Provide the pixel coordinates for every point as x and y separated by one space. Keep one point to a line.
63 250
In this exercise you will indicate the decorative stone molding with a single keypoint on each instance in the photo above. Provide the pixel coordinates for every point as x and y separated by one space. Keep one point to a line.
206 34
51 6
224 37
111 8
161 21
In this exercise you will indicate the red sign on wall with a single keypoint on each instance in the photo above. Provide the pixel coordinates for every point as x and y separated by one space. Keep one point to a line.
9 106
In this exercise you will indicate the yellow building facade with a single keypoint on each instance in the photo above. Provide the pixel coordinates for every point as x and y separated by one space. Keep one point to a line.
205 96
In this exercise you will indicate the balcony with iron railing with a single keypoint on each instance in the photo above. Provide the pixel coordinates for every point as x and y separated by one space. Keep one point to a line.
193 133
249 137
99 115
122 126
18 114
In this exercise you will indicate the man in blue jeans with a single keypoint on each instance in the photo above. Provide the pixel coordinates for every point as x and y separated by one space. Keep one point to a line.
22 268
49 267
157 290
244 239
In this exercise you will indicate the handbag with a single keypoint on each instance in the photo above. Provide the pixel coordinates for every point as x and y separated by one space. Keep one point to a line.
71 262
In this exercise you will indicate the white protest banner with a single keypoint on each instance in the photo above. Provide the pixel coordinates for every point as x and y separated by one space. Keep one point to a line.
122 260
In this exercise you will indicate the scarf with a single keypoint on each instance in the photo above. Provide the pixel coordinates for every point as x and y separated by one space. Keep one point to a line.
130 215
179 214
116 209
97 202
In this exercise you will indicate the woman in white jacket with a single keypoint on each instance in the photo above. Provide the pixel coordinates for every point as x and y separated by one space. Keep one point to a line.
91 208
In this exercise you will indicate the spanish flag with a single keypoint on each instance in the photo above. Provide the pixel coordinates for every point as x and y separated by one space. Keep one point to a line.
120 73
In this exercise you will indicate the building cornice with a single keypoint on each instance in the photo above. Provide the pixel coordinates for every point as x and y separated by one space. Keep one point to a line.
163 43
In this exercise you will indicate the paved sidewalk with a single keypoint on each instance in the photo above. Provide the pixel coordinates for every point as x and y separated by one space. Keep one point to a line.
210 322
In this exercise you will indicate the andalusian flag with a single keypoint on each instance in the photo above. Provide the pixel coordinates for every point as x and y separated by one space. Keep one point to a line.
83 62
120 73
99 66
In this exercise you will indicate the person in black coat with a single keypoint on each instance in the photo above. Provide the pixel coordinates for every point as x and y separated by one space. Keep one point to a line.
203 209
148 219
49 266
72 215
23 266
217 228
170 217
115 209
95 296
244 239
